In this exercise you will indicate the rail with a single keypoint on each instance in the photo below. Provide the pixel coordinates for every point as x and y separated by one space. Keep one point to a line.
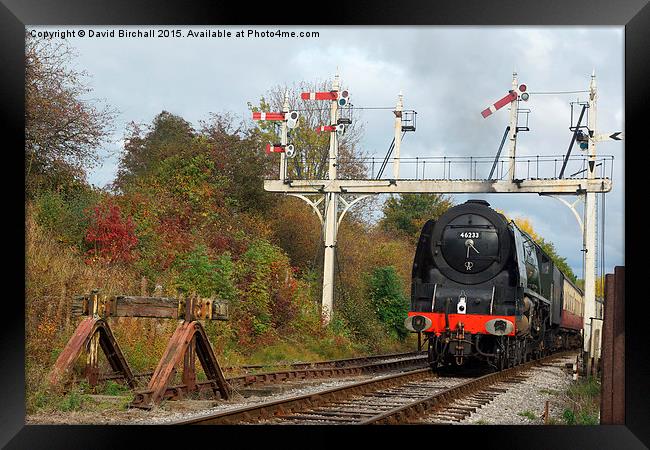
325 406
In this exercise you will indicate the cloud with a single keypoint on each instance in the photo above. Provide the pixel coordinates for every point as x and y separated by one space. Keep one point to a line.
447 74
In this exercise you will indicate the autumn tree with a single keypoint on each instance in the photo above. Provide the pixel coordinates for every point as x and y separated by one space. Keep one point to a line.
63 126
111 236
239 156
312 148
146 146
407 213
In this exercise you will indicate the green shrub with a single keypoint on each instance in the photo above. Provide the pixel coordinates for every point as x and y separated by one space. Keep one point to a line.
202 275
528 414
584 397
386 293
73 400
113 388
66 215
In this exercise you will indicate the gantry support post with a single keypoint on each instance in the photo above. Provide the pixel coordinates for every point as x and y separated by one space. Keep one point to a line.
398 135
330 217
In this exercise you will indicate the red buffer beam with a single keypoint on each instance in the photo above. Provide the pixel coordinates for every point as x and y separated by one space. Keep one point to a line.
511 97
269 116
332 95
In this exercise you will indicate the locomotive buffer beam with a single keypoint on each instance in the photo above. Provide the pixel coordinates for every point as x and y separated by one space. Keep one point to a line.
539 186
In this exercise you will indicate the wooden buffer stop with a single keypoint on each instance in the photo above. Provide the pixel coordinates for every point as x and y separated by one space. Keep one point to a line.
188 342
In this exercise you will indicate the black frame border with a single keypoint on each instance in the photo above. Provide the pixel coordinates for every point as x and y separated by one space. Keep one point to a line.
16 14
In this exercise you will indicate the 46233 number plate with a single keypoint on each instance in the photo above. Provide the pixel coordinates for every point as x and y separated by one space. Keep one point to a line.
469 235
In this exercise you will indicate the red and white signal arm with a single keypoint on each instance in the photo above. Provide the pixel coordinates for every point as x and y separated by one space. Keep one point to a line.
511 97
324 128
330 95
274 148
268 116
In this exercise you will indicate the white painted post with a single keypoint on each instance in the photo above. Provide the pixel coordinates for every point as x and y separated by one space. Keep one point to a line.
398 135
331 213
512 134
283 138
590 233
330 247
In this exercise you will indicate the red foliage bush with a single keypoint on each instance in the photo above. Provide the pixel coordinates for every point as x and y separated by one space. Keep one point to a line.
112 238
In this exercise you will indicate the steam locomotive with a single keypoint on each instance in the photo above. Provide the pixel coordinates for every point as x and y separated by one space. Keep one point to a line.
483 290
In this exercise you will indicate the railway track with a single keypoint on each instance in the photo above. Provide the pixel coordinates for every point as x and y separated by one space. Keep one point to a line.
333 363
391 399
302 371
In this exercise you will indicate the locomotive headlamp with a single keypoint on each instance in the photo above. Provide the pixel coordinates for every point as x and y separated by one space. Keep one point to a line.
461 307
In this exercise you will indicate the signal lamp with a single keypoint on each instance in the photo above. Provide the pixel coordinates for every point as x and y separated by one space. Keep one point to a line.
292 119
344 98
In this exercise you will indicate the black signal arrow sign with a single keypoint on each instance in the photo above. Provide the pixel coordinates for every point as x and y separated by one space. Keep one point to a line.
615 136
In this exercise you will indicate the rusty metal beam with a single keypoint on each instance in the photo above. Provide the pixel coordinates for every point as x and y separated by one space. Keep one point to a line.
89 331
188 337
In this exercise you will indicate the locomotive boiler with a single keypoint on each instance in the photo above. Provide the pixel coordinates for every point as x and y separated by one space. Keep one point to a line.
482 289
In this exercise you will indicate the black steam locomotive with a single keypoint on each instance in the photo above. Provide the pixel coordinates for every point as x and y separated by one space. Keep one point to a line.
483 289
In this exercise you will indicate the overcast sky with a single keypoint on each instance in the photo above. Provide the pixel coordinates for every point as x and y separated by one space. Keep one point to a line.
447 74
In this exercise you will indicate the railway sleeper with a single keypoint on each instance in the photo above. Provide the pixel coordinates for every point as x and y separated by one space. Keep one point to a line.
443 416
462 408
454 414
323 418
337 413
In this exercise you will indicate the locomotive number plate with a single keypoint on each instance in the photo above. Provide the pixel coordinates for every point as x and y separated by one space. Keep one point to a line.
469 235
